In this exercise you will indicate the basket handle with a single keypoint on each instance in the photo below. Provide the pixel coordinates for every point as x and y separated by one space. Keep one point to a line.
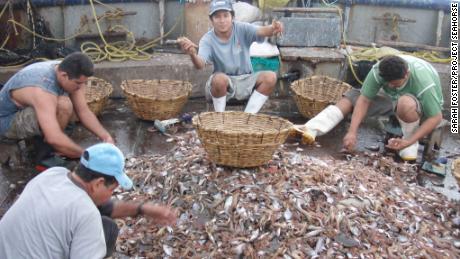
249 117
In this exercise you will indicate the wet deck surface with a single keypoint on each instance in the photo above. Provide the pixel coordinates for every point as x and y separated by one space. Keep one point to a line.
136 137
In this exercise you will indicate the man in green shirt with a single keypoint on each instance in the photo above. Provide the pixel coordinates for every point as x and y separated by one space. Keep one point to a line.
404 85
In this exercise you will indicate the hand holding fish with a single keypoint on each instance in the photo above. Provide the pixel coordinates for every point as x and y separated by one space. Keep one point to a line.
397 143
187 46
163 215
277 27
349 141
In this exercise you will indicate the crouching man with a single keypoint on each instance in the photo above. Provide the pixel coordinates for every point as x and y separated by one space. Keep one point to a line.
411 90
40 99
226 46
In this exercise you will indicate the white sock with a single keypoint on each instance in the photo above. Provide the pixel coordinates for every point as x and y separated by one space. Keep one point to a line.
408 129
256 102
325 121
219 103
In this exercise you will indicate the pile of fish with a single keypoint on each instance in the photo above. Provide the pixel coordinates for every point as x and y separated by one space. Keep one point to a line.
296 206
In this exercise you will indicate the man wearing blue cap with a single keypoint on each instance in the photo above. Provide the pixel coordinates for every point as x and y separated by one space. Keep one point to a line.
63 214
226 46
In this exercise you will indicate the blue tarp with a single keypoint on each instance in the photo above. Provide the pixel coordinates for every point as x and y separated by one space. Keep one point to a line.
424 4
79 2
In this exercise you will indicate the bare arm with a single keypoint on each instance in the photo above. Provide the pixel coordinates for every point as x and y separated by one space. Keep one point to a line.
190 48
45 105
270 30
160 214
87 117
197 61
359 112
426 128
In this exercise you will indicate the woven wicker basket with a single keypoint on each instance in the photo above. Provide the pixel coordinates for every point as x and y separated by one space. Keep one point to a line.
456 169
240 139
97 93
156 99
315 93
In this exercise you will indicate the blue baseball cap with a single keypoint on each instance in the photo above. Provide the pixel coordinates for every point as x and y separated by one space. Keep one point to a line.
107 159
217 5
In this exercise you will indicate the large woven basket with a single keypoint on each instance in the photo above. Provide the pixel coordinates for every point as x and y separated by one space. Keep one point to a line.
456 169
156 99
315 93
97 93
240 139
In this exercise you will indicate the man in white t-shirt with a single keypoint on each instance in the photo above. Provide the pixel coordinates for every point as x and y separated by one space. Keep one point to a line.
63 214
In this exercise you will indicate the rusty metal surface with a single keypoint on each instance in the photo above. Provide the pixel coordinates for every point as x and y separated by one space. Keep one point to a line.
310 32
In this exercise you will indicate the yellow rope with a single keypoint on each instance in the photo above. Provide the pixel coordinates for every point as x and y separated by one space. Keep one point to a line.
26 63
41 36
7 34
105 5
5 41
345 42
4 8
152 43
117 51
430 56
7 5
120 51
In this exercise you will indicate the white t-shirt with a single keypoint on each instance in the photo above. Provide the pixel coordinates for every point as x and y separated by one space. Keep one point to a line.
53 218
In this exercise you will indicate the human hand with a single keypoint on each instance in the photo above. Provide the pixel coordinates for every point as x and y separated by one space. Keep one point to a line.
277 28
297 130
108 139
397 143
349 141
163 215
187 46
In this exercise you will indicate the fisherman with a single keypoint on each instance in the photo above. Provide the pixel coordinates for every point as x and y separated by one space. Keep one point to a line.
63 214
411 90
40 99
226 46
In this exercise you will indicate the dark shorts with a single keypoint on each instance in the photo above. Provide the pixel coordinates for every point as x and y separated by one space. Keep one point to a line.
24 125
110 233
381 105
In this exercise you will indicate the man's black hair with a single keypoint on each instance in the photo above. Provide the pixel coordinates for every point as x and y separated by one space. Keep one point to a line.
87 175
231 12
392 68
77 64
